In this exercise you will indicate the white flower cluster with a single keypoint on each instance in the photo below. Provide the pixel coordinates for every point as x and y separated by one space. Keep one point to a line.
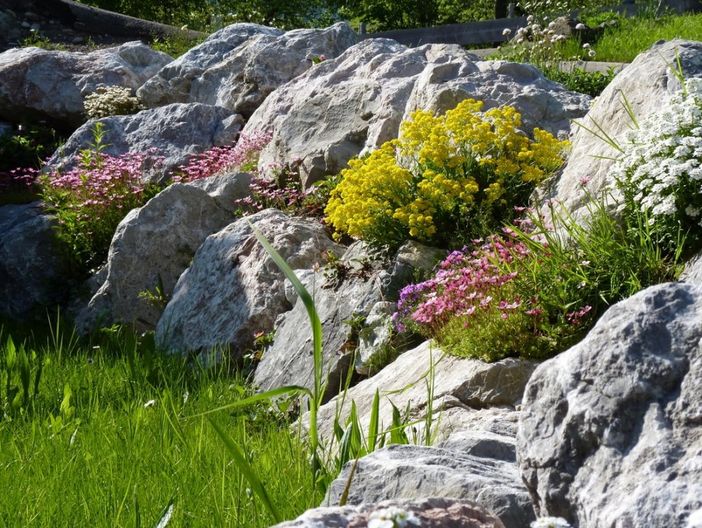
107 101
550 522
660 171
392 518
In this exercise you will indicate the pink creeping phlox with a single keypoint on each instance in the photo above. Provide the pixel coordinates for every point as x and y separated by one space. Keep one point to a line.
243 156
468 283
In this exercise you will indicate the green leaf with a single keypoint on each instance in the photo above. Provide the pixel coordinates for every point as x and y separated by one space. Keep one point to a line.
373 425
262 396
247 471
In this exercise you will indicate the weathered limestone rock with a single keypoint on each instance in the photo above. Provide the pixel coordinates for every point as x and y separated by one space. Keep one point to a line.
233 289
52 84
431 513
414 472
354 103
474 383
345 294
242 80
151 247
544 104
645 83
175 132
173 82
611 431
32 274
226 188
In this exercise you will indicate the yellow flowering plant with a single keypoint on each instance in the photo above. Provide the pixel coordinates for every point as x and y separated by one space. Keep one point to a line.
447 179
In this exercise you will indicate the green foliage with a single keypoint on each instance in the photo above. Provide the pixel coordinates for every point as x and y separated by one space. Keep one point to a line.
91 199
37 40
576 269
215 14
28 145
537 290
175 44
448 178
112 429
579 80
631 36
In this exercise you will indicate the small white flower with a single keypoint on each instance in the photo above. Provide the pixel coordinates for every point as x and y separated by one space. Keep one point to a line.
580 26
591 53
506 32
392 517
586 45
550 522
149 403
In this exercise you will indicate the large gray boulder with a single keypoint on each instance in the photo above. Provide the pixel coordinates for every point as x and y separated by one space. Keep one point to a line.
429 513
345 293
233 289
52 84
611 430
33 275
646 84
150 249
172 83
245 77
354 103
415 472
174 132
470 383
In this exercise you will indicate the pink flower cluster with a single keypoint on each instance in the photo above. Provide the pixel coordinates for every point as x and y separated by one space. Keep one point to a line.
102 181
267 193
19 178
466 282
243 156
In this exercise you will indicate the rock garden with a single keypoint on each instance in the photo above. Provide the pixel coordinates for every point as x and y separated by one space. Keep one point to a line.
304 279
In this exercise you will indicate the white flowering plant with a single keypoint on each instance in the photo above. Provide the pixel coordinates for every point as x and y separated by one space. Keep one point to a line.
393 517
550 522
659 171
107 101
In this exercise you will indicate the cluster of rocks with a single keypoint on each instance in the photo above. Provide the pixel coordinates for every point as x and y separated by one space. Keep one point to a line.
606 434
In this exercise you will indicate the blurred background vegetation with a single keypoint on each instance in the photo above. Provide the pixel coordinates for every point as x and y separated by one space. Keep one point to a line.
378 15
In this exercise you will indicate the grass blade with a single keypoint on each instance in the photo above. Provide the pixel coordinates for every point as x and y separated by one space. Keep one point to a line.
373 425
245 468
263 396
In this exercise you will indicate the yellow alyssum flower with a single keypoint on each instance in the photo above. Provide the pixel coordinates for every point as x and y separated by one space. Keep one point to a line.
441 167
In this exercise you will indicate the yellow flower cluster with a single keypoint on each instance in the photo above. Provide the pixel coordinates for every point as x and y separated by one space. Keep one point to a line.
440 170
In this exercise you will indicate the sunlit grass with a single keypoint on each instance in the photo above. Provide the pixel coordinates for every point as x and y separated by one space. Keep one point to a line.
127 442
623 42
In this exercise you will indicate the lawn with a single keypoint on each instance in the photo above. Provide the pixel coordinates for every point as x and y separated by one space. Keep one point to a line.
114 436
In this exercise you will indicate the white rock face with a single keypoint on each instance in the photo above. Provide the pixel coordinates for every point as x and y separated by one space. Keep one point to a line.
176 132
470 383
233 289
354 103
151 247
243 80
430 513
52 84
238 67
611 430
172 83
646 83
414 472
344 296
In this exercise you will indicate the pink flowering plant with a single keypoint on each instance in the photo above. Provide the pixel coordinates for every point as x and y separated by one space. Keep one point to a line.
535 289
242 156
91 199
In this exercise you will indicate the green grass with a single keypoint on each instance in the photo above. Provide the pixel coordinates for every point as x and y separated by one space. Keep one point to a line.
622 43
113 436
